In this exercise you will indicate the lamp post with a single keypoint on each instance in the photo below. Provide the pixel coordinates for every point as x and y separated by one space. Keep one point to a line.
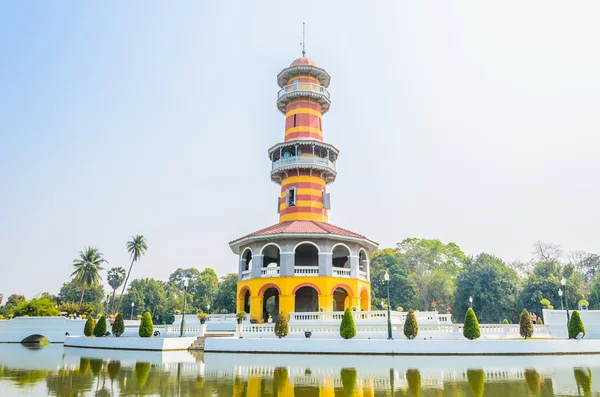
386 277
471 302
185 285
132 305
560 293
563 282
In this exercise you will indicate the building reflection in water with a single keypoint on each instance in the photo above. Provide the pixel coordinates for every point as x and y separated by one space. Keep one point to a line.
94 376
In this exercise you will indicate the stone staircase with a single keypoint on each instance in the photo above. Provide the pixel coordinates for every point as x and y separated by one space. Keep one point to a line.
201 340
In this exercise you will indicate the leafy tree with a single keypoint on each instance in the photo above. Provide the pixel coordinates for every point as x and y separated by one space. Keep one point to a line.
411 328
206 289
525 324
69 296
35 307
575 325
90 325
146 327
118 326
15 300
136 248
148 295
281 326
225 299
493 286
115 278
178 277
402 289
347 327
87 269
471 326
100 328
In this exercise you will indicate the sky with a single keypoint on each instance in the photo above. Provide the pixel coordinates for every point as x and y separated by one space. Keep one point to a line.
471 122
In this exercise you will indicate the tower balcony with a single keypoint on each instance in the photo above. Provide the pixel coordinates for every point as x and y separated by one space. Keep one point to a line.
296 90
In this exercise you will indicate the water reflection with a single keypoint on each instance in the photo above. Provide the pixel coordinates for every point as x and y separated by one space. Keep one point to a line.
54 371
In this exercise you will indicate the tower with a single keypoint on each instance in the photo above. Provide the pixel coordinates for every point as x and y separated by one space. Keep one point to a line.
303 263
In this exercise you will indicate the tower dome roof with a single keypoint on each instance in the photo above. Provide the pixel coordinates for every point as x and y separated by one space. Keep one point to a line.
303 61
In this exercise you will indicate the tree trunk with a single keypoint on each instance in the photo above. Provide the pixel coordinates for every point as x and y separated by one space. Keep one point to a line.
81 300
112 306
124 285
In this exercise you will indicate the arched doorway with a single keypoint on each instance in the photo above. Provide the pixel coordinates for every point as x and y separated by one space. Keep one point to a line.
306 300
341 256
340 297
245 301
247 260
364 300
271 260
362 260
270 304
306 255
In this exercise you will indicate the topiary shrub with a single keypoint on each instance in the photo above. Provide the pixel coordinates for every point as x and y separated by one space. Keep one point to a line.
525 324
347 327
100 328
88 329
411 328
146 327
540 321
575 325
471 326
505 321
281 326
118 326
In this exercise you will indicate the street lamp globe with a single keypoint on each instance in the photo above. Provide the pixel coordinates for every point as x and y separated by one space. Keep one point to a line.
560 293
470 299
132 304
386 276
563 282
186 283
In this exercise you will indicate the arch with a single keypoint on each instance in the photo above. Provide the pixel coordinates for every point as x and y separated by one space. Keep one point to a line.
340 255
307 242
266 287
344 286
244 289
247 258
306 254
306 299
35 338
306 285
362 258
266 245
364 299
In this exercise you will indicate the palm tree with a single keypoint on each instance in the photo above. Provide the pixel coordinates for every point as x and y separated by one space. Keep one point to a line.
137 248
115 278
87 269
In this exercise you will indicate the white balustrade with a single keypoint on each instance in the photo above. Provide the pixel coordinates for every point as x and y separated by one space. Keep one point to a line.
341 272
362 275
303 87
269 272
306 270
246 274
303 160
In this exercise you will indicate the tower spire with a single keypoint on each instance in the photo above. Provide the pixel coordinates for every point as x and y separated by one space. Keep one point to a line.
303 40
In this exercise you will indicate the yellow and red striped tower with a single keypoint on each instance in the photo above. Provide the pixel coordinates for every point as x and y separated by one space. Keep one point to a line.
303 164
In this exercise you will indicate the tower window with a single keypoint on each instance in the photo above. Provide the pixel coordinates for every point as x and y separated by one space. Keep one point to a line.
320 128
290 197
295 120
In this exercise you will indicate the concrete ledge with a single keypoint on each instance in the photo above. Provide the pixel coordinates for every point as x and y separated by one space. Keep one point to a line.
404 347
124 343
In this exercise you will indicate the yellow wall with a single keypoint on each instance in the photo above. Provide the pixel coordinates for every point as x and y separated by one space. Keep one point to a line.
287 285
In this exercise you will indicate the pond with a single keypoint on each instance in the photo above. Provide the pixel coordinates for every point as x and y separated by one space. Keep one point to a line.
57 371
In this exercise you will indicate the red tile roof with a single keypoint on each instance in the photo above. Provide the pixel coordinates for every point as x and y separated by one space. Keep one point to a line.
303 62
303 227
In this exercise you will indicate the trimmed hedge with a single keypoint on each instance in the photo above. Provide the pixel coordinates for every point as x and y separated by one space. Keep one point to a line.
411 328
146 327
100 328
575 325
347 327
525 324
281 326
90 324
505 321
118 326
471 326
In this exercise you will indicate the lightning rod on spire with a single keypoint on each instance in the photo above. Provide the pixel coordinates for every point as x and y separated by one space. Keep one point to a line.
303 40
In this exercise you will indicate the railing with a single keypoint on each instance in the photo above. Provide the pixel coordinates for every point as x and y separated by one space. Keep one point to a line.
269 272
373 315
306 270
341 272
246 274
222 317
303 87
362 274
303 160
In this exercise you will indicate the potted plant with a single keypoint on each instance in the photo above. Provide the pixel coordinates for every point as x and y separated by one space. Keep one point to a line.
139 316
202 316
240 316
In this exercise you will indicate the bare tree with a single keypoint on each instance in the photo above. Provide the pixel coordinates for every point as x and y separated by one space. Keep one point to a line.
546 252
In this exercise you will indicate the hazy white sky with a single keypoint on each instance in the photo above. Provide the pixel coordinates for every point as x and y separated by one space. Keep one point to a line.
472 122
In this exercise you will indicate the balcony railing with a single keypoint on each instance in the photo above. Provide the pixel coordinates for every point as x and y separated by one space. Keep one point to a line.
303 87
269 272
298 161
246 274
341 272
306 271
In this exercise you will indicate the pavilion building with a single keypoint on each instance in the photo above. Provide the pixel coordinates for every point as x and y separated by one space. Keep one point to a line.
303 263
